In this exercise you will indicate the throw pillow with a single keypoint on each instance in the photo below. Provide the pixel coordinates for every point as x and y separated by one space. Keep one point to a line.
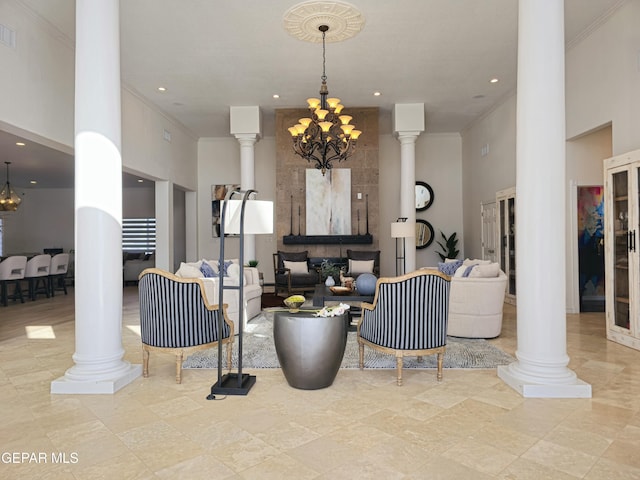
357 267
296 267
206 270
485 271
234 274
188 270
449 268
460 271
225 267
468 262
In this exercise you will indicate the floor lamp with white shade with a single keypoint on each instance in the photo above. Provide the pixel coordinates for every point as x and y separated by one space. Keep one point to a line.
239 217
401 229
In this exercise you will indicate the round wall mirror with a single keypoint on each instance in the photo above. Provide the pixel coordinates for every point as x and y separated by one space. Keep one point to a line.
424 234
424 196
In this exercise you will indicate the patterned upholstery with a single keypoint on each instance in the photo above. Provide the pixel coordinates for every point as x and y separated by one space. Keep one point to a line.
408 317
175 315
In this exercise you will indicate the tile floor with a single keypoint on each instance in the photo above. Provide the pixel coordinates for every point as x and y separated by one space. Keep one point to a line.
470 426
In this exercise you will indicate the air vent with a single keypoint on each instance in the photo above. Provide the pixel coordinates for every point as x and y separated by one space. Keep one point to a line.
7 36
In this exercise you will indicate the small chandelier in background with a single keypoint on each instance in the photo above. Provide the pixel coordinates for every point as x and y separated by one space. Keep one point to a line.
9 199
326 136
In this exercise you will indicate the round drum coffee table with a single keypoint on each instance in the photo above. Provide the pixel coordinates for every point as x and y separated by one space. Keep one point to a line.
309 348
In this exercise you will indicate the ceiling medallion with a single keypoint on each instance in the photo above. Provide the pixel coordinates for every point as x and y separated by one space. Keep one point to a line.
303 21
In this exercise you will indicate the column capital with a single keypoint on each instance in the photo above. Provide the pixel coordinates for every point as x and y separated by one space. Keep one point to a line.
407 137
247 139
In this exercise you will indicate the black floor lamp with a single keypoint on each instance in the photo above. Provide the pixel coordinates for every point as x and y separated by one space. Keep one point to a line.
401 229
240 217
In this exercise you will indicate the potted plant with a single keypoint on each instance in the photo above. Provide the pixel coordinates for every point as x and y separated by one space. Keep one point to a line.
449 249
328 269
252 263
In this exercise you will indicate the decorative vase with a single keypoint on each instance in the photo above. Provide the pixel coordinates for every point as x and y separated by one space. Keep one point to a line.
366 283
329 282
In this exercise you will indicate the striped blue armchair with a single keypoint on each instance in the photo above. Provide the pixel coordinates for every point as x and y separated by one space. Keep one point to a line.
408 317
176 317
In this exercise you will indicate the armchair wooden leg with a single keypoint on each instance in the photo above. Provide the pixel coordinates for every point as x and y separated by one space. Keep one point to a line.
440 357
179 367
145 362
229 354
361 355
399 369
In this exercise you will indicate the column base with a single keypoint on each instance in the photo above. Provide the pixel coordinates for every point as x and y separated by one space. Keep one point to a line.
575 388
64 385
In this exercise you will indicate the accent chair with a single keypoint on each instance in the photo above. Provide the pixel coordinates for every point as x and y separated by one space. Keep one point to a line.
408 318
176 317
293 273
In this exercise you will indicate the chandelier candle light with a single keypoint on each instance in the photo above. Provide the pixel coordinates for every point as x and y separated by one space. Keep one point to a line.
326 136
9 199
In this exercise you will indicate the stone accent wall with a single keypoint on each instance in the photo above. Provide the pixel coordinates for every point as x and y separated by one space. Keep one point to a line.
290 181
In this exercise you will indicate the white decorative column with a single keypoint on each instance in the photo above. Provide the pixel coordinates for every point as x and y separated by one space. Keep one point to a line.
99 367
246 126
408 123
164 225
541 369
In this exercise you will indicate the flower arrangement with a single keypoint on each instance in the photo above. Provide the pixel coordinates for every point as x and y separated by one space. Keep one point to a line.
333 310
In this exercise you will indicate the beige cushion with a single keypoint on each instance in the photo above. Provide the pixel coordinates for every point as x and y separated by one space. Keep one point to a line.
189 270
356 267
296 267
485 271
468 262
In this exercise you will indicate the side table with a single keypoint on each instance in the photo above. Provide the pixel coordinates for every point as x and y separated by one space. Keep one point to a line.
309 348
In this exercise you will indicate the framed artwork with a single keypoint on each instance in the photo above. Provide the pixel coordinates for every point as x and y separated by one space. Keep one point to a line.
424 234
424 196
218 192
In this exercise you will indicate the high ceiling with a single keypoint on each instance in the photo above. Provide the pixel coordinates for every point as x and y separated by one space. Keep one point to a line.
210 55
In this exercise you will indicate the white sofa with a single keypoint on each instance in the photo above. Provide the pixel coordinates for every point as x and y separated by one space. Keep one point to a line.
252 291
476 302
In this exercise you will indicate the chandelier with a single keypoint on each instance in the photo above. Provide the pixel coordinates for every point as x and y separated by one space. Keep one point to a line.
9 199
326 136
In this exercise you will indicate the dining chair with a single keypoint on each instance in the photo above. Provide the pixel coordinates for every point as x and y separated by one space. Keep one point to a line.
37 275
12 271
57 273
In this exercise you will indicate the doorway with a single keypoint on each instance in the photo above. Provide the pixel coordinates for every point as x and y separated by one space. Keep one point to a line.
591 248
489 246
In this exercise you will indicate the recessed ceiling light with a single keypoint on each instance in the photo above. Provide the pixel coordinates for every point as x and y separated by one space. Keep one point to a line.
162 89
20 144
275 95
140 180
33 182
494 80
376 94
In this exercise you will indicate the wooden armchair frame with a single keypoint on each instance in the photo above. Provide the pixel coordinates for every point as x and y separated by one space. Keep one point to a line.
176 317
408 318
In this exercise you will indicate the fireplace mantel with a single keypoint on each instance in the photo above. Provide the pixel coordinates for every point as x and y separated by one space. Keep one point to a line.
367 238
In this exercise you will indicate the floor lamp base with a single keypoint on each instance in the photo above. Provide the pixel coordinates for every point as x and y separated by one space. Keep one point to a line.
233 384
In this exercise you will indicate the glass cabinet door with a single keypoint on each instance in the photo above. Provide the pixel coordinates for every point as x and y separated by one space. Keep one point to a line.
622 242
511 217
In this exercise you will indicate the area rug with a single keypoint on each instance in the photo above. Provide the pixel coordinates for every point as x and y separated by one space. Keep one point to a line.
259 352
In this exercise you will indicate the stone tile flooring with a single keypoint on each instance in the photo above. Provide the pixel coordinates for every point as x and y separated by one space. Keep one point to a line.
470 426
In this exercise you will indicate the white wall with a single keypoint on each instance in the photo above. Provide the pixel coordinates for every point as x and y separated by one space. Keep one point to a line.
484 175
38 76
45 218
219 164
40 107
603 77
